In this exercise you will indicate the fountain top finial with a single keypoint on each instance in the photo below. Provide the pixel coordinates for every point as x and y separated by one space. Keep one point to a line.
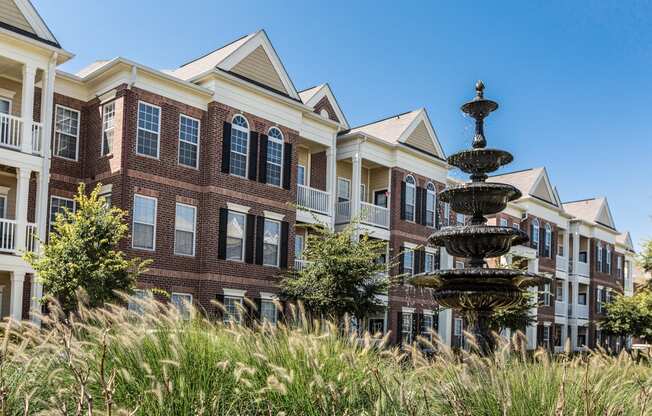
479 89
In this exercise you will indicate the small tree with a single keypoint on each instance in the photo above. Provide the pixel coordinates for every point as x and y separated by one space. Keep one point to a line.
516 317
629 315
82 252
645 259
342 276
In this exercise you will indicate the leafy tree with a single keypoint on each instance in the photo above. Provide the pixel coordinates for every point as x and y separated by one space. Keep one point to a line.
82 252
342 276
645 258
629 315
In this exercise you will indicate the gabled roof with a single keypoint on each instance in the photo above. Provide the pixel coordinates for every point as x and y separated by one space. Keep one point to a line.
593 210
412 129
532 182
251 57
21 17
312 96
625 239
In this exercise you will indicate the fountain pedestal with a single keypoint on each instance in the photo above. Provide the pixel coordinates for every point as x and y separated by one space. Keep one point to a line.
478 291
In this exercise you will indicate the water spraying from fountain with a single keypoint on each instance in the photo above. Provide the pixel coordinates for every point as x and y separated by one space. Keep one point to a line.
478 291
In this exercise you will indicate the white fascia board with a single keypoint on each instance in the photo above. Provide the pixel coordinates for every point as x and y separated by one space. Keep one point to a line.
423 117
545 211
35 20
604 234
28 46
316 132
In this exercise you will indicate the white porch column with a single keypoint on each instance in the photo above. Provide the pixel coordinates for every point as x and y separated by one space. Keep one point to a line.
575 253
445 330
16 308
356 176
36 294
27 106
331 181
22 194
531 330
566 243
47 103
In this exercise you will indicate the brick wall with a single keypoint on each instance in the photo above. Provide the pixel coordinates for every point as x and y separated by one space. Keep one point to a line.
324 104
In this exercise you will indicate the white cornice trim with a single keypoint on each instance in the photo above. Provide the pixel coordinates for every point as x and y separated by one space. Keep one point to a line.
325 91
273 215
237 208
236 293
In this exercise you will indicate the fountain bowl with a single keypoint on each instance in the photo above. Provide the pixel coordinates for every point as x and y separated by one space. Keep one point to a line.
478 241
479 198
479 162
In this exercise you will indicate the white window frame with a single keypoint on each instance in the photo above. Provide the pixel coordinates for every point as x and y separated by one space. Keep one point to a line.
337 191
559 285
134 307
447 214
411 268
535 233
425 262
299 167
546 335
548 242
516 225
181 116
3 199
458 327
53 197
226 318
104 129
244 234
187 296
194 230
546 294
598 299
363 192
280 141
57 132
431 190
158 133
599 257
460 219
242 129
459 264
412 203
504 222
302 238
268 300
10 101
133 222
619 265
608 259
410 331
278 246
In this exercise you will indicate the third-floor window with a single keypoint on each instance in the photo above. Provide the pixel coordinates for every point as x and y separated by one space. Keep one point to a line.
149 130
66 134
274 156
410 198
239 146
188 141
108 127
431 205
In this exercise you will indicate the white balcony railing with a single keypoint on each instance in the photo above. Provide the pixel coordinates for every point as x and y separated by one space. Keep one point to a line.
300 264
343 212
313 199
581 269
7 235
582 311
562 264
37 138
560 308
374 215
11 131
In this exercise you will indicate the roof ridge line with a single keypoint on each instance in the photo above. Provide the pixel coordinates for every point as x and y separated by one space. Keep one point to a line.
580 200
384 119
215 50
511 173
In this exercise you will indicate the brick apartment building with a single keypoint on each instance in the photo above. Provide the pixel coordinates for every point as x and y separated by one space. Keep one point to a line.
211 160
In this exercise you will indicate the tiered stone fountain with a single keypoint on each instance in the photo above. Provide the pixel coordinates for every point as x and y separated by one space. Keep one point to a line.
478 291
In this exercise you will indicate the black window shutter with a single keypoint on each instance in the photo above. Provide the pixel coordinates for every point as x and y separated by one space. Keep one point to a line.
416 259
249 242
542 240
415 326
284 244
401 268
260 234
219 313
287 165
221 234
253 155
422 267
553 245
418 213
604 259
262 159
402 200
438 259
532 242
226 147
399 328
258 302
424 206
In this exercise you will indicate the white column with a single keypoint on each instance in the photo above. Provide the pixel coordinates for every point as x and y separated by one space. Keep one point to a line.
47 103
445 331
566 243
576 251
22 194
35 304
331 181
356 176
27 106
531 330
16 308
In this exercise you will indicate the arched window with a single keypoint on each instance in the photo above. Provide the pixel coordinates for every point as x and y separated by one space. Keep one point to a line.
274 156
431 204
239 146
535 233
410 197
324 113
598 256
548 241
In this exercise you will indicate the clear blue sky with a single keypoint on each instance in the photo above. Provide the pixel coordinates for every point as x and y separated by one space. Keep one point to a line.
573 78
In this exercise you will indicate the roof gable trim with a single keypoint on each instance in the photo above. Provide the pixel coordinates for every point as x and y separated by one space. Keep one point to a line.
422 116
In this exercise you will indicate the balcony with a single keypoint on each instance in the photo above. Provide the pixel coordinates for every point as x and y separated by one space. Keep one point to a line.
581 269
562 264
313 199
8 236
374 215
12 133
560 308
300 264
343 212
582 311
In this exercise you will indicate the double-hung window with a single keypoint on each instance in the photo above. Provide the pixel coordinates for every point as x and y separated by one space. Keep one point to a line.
184 229
268 311
459 218
598 299
457 327
431 204
301 175
57 206
239 146
408 262
108 127
235 236
232 309
429 263
608 259
271 242
599 256
135 300
546 335
406 327
535 234
546 294
410 198
503 222
547 252
343 190
274 156
447 214
188 141
66 133
619 266
182 302
427 325
559 290
149 130
144 222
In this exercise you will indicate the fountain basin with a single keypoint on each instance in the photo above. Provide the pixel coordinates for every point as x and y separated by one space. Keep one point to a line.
479 162
479 198
478 241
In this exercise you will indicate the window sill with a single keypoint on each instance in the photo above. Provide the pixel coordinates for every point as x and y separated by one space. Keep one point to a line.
195 168
66 158
149 250
184 255
148 156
